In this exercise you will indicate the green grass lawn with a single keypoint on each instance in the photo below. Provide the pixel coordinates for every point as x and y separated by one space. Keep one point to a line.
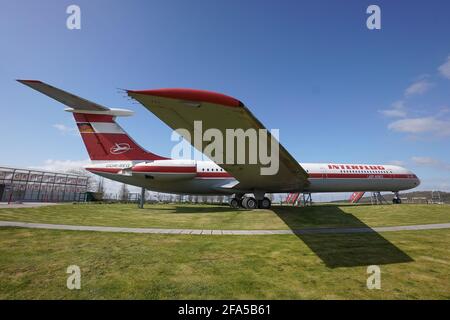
33 265
222 217
414 264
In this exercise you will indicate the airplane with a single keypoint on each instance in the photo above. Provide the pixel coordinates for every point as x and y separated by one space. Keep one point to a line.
116 156
119 148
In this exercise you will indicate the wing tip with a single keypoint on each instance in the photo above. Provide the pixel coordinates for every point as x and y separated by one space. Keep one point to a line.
25 81
191 95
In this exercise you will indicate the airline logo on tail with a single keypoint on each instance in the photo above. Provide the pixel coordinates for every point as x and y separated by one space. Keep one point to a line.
120 148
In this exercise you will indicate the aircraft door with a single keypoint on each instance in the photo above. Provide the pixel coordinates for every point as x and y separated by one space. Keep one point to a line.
323 172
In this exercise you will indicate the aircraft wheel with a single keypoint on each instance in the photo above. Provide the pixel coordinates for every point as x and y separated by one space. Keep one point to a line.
235 203
264 203
249 203
244 202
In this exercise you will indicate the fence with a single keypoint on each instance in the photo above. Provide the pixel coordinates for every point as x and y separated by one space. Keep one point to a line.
40 186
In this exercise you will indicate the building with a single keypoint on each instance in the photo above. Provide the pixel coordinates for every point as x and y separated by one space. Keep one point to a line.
17 184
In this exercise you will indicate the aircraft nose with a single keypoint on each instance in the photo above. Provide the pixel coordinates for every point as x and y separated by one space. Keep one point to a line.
416 181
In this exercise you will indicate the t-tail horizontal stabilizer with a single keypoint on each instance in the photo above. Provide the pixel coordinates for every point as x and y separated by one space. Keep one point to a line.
74 103
104 139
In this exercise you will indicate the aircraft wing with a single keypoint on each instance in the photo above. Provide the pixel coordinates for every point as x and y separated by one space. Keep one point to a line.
179 108
64 97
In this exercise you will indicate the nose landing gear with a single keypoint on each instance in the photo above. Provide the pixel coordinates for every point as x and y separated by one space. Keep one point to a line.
396 199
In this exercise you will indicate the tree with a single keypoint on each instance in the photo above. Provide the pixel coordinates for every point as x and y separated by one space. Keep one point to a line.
147 195
123 192
101 185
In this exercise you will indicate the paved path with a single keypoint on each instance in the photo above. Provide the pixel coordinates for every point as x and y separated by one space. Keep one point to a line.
14 205
222 232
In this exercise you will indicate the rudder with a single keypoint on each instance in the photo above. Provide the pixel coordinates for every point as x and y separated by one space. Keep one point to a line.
106 140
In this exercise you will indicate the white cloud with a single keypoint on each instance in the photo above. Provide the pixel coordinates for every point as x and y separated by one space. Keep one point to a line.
64 129
396 163
444 111
397 110
421 125
444 69
440 182
436 123
62 165
427 161
431 162
418 87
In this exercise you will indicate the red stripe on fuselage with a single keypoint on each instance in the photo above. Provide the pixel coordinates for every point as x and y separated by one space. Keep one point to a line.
360 176
322 176
164 169
213 175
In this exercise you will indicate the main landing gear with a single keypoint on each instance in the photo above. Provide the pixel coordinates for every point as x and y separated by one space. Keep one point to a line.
396 199
250 203
235 203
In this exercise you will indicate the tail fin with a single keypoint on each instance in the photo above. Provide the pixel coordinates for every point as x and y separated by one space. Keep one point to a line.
103 137
106 140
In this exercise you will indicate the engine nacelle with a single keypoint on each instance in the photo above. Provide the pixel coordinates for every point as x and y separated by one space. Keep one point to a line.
168 170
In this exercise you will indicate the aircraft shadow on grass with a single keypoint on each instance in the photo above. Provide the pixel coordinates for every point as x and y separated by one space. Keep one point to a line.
334 249
341 249
197 209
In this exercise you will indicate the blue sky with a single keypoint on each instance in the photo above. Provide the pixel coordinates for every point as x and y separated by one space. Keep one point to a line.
337 91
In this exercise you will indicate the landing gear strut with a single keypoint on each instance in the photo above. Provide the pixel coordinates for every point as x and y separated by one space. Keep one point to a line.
396 199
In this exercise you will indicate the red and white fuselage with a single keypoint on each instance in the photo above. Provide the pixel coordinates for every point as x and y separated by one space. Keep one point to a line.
118 157
114 151
205 177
